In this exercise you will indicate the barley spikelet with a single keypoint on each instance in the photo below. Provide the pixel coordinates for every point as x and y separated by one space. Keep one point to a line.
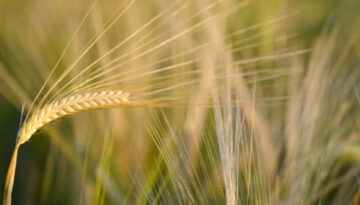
69 105
50 112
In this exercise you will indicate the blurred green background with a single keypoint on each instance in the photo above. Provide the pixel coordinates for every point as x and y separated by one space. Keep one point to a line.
311 18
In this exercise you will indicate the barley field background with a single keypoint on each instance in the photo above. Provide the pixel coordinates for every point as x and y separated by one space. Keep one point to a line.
180 102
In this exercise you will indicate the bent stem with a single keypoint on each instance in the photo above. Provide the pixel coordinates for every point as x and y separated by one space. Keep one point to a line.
10 176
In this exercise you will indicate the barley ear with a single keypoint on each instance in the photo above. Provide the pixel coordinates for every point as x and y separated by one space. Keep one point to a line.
55 110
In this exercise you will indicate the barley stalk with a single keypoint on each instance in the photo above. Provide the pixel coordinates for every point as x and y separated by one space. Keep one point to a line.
50 112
